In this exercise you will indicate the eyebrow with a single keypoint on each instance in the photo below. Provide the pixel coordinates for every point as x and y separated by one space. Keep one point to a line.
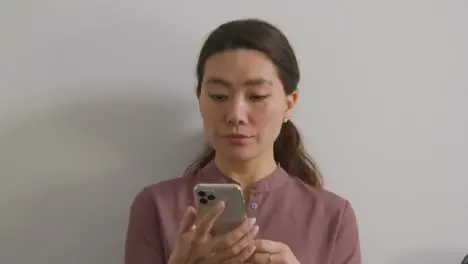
250 82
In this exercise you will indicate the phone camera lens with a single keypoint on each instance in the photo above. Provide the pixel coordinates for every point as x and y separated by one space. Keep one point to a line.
201 193
211 197
203 201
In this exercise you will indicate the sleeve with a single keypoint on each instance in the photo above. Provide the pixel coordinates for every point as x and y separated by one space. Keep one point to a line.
347 248
143 243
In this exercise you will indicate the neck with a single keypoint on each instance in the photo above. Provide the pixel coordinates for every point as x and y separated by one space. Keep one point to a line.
246 172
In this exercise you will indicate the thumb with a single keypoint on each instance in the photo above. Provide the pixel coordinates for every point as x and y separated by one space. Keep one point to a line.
188 222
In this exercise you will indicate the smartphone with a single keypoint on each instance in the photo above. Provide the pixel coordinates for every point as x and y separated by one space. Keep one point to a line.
208 194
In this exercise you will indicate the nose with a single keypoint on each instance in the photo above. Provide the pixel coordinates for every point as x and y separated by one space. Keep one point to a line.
237 112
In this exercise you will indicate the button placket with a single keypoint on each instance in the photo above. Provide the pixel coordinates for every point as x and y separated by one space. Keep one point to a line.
254 200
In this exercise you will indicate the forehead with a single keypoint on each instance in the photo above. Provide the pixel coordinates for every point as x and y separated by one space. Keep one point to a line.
238 65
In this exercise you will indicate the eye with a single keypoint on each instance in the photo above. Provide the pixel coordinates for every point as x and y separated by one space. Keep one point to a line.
258 97
218 97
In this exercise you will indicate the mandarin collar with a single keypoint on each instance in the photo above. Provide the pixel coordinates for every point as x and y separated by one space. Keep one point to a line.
211 174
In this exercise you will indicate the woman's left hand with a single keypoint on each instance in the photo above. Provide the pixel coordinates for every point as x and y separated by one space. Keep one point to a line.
271 252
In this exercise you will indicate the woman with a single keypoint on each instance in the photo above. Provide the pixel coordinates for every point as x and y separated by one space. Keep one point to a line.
247 87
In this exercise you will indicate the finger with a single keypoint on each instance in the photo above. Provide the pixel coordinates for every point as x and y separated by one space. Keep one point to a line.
229 239
207 221
244 255
260 258
188 221
241 250
268 246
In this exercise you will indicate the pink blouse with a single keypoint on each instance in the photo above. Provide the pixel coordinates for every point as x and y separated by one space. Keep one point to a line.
318 226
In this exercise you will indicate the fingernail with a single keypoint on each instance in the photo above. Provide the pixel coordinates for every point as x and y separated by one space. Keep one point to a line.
255 230
252 221
222 205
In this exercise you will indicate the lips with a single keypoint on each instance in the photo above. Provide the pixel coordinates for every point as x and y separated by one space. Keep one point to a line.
237 136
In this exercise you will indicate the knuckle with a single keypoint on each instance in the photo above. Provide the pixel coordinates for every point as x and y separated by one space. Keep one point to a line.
251 249
260 244
236 235
246 241
231 261
200 230
244 228
194 240
236 249
206 218
222 243
235 260
207 223
229 241
194 245
198 242
246 254
197 239
250 236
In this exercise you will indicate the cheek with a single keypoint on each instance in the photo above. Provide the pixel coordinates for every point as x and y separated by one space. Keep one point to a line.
210 114
268 121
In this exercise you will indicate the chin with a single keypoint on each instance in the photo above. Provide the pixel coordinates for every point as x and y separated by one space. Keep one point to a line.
239 154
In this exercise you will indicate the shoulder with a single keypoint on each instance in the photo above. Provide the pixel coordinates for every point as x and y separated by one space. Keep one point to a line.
164 192
322 202
171 186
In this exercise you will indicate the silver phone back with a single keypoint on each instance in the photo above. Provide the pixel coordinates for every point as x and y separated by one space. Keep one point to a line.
208 194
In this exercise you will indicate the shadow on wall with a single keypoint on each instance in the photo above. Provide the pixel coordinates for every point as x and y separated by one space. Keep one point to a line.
69 176
433 257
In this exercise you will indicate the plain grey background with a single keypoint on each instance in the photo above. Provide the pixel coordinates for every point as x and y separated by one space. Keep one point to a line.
97 100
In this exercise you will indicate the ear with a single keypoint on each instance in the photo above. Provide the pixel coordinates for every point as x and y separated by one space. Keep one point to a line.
199 99
290 103
198 92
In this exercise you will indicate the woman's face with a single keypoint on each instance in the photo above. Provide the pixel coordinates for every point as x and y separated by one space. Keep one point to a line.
243 104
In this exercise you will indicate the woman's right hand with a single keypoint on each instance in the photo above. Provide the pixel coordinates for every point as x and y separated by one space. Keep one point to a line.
195 244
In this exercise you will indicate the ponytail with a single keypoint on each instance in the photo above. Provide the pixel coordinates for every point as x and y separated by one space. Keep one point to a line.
202 160
288 151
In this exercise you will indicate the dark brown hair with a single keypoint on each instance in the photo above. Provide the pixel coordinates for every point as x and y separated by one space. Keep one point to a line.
262 36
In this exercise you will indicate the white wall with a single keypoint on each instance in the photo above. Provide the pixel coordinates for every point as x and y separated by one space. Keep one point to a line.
97 101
